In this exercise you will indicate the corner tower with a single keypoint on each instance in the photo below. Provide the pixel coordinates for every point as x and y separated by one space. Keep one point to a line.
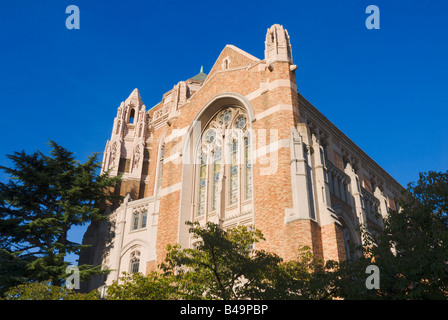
126 151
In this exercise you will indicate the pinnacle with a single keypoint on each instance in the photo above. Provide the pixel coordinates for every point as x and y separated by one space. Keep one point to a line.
135 95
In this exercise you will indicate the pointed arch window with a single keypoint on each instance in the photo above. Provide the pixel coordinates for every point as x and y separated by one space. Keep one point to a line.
135 262
224 164
160 173
202 185
132 116
217 160
234 168
248 168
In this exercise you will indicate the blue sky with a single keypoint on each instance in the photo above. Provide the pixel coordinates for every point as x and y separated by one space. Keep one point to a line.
386 89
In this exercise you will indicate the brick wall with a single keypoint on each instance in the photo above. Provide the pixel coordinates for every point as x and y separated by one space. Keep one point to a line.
272 193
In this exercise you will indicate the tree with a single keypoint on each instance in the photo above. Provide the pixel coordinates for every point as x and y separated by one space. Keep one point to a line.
411 252
305 278
418 234
46 291
154 286
223 264
44 197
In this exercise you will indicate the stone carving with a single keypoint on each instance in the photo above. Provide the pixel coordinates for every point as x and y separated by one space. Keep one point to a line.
113 154
277 45
137 156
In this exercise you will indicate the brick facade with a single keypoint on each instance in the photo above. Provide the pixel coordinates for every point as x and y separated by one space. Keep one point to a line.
292 202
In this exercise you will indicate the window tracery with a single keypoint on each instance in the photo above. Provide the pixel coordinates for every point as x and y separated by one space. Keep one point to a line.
134 262
224 164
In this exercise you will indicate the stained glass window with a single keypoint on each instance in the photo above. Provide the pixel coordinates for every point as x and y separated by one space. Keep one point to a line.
225 117
241 122
233 190
226 143
202 185
216 176
247 161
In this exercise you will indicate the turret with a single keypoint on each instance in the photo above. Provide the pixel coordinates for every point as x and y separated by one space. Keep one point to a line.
277 45
124 153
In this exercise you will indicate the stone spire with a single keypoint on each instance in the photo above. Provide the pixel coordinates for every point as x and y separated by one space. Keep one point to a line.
277 45
134 98
125 150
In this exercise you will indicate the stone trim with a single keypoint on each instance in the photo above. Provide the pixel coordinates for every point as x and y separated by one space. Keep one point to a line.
279 107
268 86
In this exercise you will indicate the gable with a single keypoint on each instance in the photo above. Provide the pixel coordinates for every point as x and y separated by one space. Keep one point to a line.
232 57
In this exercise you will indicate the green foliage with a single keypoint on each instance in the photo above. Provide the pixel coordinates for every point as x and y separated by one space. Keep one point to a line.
224 265
46 291
411 254
153 286
412 251
418 234
304 278
47 195
44 197
224 260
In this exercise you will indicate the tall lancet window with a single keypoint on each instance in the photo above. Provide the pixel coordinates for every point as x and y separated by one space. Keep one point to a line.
135 262
132 116
160 173
217 155
233 181
202 185
223 163
248 168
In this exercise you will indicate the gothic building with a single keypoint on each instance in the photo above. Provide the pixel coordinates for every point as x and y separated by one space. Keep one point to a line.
237 146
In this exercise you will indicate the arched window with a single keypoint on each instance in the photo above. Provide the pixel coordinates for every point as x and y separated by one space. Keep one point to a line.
226 63
135 262
224 164
160 173
132 116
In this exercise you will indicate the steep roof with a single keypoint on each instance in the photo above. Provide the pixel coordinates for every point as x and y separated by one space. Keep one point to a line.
201 76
